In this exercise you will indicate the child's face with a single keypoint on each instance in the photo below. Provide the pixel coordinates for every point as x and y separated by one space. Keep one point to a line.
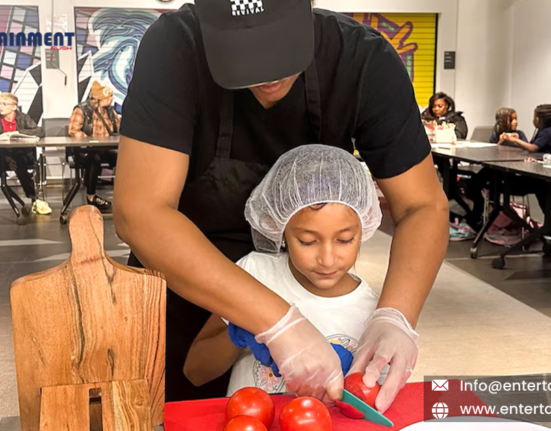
323 245
514 121
536 121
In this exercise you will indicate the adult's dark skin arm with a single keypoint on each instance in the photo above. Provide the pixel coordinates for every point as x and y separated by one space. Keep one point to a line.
419 209
150 180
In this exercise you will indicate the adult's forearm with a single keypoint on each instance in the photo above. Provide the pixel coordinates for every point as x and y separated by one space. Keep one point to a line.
418 248
165 240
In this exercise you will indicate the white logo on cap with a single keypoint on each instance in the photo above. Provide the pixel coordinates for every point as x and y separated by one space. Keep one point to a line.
246 7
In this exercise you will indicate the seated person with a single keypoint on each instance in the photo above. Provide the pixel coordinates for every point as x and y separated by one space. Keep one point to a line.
19 159
309 217
441 109
506 127
95 118
541 142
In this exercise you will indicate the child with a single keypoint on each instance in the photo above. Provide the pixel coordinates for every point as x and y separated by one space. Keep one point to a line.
506 127
309 217
541 142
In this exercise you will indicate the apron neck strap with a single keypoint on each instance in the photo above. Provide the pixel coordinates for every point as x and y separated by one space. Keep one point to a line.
313 101
223 146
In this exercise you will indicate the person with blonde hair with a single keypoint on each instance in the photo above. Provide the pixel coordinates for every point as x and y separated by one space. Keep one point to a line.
95 117
19 159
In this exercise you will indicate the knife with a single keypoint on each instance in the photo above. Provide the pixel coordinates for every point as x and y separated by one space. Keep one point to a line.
370 414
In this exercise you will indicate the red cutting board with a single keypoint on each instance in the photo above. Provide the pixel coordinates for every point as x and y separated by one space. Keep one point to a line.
208 415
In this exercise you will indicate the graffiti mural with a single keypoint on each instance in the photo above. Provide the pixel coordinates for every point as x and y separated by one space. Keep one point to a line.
20 65
107 41
414 38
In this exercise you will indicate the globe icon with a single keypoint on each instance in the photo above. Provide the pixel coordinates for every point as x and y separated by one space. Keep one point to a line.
440 411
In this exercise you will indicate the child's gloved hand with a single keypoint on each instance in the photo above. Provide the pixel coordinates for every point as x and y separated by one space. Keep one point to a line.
242 338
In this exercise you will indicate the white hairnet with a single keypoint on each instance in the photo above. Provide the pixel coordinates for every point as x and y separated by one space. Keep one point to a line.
304 176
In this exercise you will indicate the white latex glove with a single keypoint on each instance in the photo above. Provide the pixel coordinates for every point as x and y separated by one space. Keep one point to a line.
306 360
388 339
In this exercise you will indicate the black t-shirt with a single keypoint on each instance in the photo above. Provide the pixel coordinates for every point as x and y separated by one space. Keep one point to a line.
366 94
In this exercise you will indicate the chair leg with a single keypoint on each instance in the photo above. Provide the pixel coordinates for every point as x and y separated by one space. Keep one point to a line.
69 198
6 188
15 195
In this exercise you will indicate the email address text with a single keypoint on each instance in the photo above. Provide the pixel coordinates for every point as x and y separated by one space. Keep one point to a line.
496 386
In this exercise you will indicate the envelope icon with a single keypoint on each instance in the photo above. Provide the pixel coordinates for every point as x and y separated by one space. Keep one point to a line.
440 385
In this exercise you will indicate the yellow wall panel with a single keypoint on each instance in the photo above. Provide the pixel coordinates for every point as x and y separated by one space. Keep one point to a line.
414 38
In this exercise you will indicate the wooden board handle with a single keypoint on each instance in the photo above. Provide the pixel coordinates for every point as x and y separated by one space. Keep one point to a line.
86 232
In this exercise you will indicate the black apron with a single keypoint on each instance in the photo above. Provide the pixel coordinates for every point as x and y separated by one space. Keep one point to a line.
215 203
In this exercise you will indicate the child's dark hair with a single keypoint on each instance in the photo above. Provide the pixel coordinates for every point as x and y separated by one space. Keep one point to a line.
503 120
543 112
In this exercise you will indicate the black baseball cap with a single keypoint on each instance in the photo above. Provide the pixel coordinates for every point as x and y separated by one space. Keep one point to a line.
250 42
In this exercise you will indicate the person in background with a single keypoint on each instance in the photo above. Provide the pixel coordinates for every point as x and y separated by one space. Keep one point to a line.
441 109
506 127
541 142
95 118
19 159
309 216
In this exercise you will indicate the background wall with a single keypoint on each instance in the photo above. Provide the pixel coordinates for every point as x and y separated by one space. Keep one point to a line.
531 63
484 59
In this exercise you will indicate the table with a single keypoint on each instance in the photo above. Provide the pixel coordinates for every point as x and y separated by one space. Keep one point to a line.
509 170
48 142
67 141
497 153
471 155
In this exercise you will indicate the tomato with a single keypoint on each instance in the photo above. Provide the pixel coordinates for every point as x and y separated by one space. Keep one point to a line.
253 402
305 414
355 385
244 423
348 410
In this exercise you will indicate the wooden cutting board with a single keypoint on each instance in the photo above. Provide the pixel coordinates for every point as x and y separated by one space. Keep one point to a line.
88 320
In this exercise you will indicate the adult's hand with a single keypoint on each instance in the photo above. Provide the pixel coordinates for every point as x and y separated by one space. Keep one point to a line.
387 339
306 360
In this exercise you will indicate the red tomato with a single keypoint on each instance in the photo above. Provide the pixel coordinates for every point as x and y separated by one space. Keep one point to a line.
355 385
244 423
305 414
348 410
253 402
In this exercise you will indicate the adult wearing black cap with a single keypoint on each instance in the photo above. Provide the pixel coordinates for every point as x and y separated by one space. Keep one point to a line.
220 90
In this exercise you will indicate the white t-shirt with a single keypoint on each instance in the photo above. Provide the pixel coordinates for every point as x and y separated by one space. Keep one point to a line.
341 319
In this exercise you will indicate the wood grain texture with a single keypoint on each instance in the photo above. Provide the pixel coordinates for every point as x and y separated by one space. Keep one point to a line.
124 406
88 320
65 408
